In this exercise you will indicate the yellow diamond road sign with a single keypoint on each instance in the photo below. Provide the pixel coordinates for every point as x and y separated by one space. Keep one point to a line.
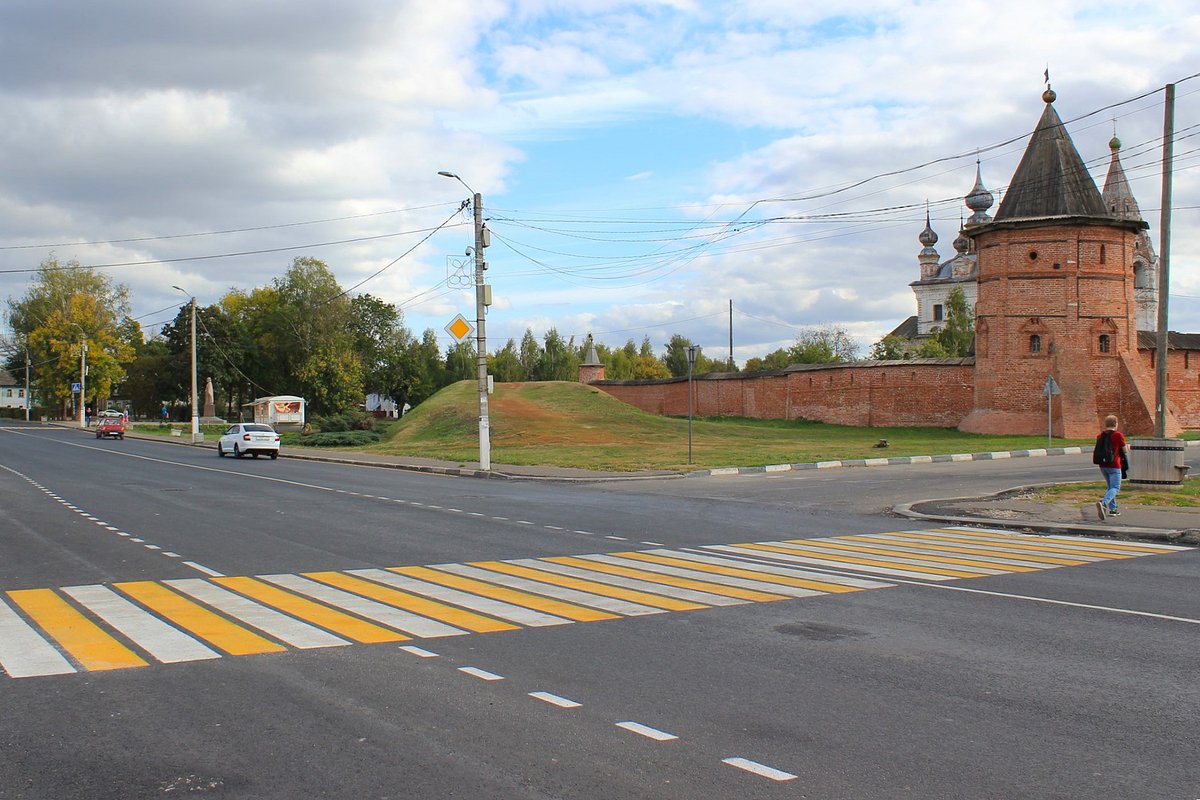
459 328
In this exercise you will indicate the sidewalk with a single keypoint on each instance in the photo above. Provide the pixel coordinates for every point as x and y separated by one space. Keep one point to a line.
1017 508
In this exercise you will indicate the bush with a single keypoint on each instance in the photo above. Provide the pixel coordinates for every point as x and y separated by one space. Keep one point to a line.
337 439
346 421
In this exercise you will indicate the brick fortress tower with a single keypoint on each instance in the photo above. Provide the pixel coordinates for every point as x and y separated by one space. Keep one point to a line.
1057 298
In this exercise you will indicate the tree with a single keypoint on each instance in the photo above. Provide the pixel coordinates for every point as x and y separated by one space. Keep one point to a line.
529 355
828 345
559 362
505 364
675 359
379 336
890 348
67 305
958 334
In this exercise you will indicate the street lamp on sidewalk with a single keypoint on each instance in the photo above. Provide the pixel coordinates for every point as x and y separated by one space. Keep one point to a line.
482 300
691 356
82 375
195 410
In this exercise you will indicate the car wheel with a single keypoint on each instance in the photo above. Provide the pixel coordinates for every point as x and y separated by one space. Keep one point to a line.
121 437
237 453
220 450
274 456
255 455
97 435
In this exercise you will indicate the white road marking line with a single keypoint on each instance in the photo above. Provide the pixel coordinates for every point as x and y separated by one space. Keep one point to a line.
653 544
419 652
165 642
23 652
389 615
281 626
555 700
708 577
482 674
169 554
524 522
121 533
112 528
610 604
585 533
476 514
486 605
617 538
455 510
204 569
151 547
759 769
136 539
437 508
629 583
502 519
647 731
554 527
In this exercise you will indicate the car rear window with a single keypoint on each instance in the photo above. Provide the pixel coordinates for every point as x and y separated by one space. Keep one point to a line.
266 428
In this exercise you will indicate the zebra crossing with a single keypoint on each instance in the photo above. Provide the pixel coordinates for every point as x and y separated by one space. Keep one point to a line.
132 624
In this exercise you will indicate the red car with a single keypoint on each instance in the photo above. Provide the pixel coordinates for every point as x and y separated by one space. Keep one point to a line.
110 427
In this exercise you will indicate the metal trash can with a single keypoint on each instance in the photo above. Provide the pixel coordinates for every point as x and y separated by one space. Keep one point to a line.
1157 462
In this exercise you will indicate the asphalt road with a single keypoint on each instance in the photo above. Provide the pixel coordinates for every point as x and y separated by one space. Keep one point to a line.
139 659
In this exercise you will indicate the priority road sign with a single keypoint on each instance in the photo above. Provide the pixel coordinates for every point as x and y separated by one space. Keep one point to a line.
459 328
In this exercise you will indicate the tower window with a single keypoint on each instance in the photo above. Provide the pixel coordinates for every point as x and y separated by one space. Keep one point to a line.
1105 343
1101 254
1033 255
937 313
1035 344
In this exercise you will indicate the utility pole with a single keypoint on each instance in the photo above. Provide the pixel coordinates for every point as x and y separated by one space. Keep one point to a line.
481 302
195 410
82 379
1164 265
731 334
483 299
28 393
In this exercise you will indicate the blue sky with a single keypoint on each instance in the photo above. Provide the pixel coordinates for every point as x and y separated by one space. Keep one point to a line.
629 154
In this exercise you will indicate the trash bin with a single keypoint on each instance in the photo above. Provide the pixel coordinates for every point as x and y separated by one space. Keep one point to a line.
1156 462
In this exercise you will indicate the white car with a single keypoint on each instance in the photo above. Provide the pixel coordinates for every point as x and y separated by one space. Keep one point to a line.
249 438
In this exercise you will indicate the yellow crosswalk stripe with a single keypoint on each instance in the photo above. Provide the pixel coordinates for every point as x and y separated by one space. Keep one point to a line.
1014 544
518 598
411 602
1085 545
800 547
83 639
311 611
734 572
994 553
608 590
898 551
669 580
233 639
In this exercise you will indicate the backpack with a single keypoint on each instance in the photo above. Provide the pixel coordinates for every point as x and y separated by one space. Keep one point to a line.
1103 453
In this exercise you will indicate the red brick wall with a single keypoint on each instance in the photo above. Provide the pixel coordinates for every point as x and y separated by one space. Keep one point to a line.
880 394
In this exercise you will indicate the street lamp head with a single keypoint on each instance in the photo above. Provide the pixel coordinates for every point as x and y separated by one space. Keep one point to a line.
445 174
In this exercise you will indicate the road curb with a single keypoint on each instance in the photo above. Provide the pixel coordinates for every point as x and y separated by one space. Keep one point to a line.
1130 532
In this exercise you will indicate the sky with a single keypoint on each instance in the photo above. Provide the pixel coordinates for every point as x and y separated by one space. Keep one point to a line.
643 165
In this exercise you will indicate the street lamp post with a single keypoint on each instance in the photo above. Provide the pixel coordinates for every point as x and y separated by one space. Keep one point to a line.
82 379
195 410
82 375
691 356
481 303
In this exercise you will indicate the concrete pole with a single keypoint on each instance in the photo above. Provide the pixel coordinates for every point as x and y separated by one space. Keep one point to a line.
28 393
485 434
1164 264
195 410
82 380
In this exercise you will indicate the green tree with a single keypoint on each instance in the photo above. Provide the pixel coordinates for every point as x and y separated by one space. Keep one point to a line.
827 345
505 364
529 355
559 362
957 336
890 348
66 305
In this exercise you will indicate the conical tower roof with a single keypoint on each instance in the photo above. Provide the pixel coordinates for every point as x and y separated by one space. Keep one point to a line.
1118 197
1051 180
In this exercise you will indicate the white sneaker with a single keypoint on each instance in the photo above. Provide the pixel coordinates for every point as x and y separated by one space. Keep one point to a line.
1101 510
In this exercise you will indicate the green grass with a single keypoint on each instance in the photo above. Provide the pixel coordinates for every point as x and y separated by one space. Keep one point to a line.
1186 495
572 425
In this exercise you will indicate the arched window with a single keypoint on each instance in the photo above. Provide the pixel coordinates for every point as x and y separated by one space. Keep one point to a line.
1035 343
1105 343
